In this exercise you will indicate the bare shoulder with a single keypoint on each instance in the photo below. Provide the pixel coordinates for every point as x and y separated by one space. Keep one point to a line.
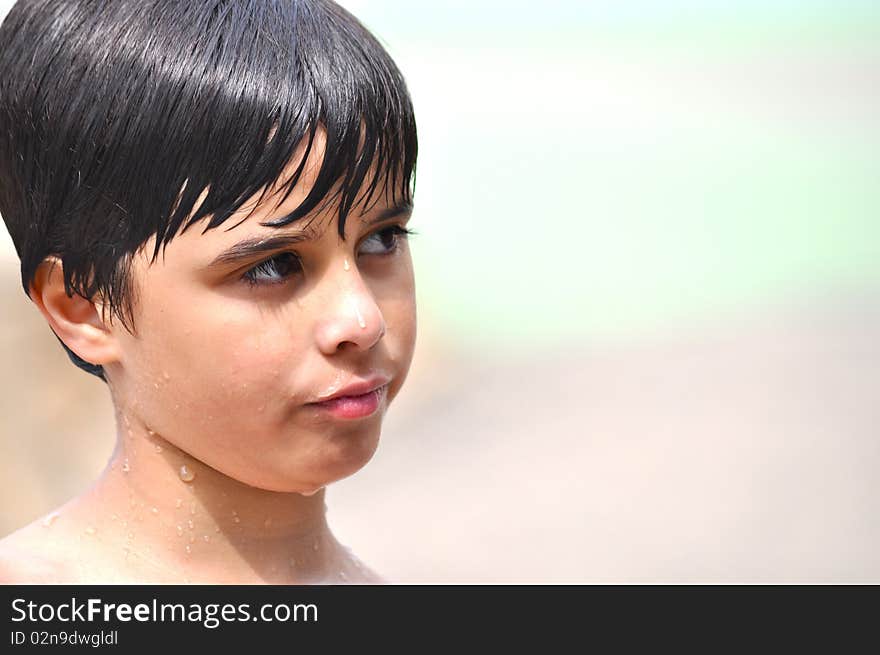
27 557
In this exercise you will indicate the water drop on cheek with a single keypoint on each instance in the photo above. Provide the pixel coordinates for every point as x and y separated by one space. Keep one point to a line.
346 265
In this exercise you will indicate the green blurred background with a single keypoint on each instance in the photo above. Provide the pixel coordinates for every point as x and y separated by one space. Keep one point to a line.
607 167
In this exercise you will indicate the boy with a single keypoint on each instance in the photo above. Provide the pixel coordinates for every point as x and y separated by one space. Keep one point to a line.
249 366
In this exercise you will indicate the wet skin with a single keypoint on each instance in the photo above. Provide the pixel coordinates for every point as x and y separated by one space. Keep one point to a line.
219 377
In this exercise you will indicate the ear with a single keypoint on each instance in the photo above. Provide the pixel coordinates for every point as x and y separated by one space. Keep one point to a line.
76 320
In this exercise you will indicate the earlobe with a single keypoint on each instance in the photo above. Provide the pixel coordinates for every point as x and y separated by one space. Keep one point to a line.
76 320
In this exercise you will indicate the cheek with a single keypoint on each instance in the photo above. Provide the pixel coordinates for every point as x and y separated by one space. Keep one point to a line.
217 373
400 338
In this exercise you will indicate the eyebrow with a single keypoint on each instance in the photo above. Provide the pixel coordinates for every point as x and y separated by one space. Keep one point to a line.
253 247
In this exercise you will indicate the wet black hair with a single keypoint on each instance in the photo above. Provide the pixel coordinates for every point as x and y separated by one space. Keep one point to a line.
115 116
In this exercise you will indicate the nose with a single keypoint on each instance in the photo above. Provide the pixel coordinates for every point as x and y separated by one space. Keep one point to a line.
351 318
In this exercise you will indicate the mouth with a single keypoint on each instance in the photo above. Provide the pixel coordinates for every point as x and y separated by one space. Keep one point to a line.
353 406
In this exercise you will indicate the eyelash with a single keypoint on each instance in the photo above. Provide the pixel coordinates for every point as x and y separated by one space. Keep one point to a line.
268 265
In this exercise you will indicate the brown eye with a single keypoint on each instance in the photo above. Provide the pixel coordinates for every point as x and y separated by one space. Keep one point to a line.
385 241
274 270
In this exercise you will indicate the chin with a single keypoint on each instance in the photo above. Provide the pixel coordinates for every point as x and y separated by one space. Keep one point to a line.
347 461
329 464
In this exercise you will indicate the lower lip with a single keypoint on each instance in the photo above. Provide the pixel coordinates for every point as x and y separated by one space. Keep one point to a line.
353 406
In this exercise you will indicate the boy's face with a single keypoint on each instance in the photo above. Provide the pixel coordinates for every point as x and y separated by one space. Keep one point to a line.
228 355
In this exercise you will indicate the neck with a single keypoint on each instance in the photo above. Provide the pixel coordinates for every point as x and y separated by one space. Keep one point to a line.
170 516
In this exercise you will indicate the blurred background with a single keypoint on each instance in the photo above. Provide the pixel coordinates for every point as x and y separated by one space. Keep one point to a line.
648 272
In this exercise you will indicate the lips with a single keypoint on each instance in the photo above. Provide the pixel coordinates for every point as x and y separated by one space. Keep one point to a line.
357 400
355 388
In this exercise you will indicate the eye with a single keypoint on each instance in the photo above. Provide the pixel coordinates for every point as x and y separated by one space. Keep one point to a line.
274 270
385 241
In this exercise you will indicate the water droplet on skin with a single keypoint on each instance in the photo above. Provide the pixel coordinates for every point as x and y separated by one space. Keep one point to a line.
360 318
165 375
155 510
190 524
124 524
49 520
130 536
206 537
315 545
235 519
156 384
346 265
342 575
126 467
158 448
113 517
179 530
217 528
151 432
188 550
177 503
186 474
